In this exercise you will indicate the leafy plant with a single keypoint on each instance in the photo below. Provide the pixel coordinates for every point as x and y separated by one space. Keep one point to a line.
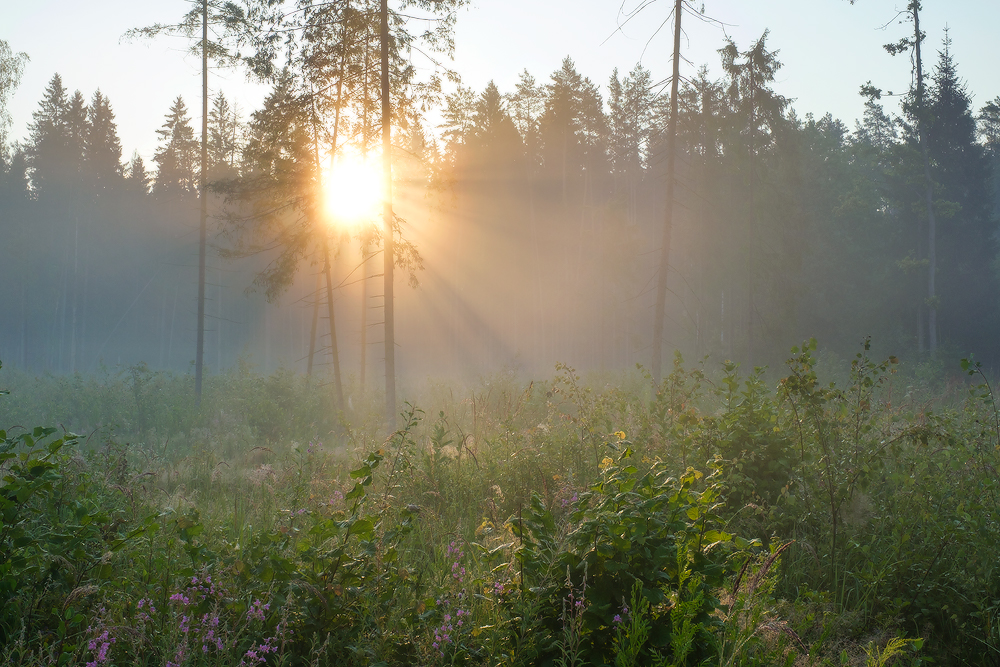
630 529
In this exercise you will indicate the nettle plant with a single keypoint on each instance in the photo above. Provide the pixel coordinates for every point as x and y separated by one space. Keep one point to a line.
638 542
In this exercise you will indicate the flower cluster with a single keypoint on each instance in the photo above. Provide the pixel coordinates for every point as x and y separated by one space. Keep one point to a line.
145 610
624 616
566 494
452 624
198 591
205 632
566 502
99 647
258 652
257 610
455 555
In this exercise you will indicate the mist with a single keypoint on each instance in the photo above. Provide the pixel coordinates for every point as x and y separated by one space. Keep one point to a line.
534 219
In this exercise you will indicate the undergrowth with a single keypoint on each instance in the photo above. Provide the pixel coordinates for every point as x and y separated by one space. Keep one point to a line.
716 518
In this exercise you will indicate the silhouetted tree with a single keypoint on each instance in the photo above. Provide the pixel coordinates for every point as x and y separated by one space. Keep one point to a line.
966 227
177 156
102 148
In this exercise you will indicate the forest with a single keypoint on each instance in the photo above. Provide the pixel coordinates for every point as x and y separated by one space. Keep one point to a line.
644 371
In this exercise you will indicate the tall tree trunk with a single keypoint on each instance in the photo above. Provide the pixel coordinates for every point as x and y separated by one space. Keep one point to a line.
387 223
364 315
76 293
327 264
315 322
928 188
752 223
328 270
218 322
203 208
668 219
365 133
24 325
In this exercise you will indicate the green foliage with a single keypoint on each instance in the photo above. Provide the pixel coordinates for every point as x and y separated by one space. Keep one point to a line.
645 529
60 528
749 439
523 526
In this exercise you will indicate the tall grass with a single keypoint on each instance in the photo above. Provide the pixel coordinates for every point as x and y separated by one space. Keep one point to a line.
298 536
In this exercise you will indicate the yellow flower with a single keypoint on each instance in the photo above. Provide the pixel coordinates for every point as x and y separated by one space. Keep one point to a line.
620 434
485 527
606 463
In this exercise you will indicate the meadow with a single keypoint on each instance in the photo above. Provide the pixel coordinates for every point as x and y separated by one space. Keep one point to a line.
824 513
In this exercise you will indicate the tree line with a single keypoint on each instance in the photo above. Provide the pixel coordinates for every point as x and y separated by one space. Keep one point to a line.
534 213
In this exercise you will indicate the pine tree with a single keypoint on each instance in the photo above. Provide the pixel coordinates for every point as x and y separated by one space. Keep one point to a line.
49 140
137 179
916 109
989 125
966 242
224 130
457 119
177 156
275 202
989 132
77 128
756 118
496 143
631 107
102 148
573 132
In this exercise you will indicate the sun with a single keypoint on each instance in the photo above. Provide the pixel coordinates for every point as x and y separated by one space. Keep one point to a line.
352 191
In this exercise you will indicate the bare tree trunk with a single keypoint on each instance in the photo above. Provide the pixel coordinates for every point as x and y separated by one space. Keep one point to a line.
928 189
751 230
218 321
364 314
173 320
76 294
24 326
315 322
668 220
203 197
365 133
328 270
387 222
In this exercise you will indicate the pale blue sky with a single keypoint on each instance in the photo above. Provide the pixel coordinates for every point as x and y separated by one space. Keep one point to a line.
829 49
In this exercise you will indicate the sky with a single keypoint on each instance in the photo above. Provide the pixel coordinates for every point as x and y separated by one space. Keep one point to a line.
829 49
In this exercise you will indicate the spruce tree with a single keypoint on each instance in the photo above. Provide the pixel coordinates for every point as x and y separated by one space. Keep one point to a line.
177 156
102 148
137 179
77 127
224 130
966 244
48 145
756 119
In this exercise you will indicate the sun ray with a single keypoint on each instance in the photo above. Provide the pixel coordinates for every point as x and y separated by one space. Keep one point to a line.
352 193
